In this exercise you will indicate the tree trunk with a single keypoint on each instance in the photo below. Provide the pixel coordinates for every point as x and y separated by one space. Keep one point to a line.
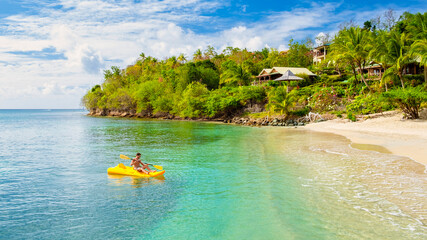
425 74
363 78
385 80
401 79
354 73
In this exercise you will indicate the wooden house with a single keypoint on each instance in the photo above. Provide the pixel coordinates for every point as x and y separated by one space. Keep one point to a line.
376 71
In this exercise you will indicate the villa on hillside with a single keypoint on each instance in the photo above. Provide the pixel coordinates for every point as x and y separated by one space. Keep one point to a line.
319 53
376 71
281 74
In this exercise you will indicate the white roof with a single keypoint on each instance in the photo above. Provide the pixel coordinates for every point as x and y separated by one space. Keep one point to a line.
294 70
266 70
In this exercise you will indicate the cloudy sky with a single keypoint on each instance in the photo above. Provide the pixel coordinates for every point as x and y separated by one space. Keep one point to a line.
52 52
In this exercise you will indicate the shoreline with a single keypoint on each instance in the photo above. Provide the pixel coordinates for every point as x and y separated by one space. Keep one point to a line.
238 119
392 134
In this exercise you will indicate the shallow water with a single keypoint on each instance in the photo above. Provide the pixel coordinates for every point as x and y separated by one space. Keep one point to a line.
221 182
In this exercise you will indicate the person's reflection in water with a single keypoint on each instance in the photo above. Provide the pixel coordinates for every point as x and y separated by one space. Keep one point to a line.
136 182
140 182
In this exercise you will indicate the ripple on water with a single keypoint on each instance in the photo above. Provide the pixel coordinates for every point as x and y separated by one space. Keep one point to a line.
388 187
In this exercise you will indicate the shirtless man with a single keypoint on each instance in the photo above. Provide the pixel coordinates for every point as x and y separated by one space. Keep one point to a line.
136 163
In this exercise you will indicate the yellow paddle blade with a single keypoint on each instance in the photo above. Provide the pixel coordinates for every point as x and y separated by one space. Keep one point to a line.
158 167
124 157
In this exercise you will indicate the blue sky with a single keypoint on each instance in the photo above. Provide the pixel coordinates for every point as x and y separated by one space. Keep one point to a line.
51 52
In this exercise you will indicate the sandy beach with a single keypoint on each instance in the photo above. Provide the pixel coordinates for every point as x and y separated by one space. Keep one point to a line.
388 130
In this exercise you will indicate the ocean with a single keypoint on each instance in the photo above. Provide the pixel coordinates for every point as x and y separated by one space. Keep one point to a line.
221 182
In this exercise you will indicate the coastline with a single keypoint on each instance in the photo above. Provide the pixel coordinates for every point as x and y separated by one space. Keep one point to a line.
393 135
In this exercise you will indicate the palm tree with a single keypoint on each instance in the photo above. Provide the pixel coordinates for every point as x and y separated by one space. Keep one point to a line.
210 52
419 50
418 26
172 62
280 100
398 45
198 55
234 74
418 30
354 44
182 58
381 54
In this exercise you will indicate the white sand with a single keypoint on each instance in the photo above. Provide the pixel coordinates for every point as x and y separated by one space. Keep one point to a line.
400 137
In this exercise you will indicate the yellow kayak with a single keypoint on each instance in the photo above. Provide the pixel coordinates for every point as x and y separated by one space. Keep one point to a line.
121 169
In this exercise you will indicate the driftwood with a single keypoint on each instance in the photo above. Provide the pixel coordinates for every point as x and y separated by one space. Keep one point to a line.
311 117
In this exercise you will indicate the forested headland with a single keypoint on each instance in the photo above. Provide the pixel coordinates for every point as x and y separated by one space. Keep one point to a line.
220 85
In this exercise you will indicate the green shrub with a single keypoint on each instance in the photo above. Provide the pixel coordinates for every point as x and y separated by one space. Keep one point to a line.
301 112
221 102
280 101
325 79
408 99
325 99
414 80
307 80
337 78
338 113
366 104
272 83
351 117
252 94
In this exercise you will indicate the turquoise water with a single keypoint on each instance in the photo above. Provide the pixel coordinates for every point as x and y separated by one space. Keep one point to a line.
221 182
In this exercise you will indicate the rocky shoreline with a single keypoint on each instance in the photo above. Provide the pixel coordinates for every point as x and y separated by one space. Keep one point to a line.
276 121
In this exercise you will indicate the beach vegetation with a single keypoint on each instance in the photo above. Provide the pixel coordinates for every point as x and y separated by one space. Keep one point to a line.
221 83
409 99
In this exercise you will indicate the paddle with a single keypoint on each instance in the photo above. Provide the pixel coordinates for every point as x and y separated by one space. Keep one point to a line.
128 158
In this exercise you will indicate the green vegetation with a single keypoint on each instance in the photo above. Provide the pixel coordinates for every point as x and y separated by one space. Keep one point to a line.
218 85
409 100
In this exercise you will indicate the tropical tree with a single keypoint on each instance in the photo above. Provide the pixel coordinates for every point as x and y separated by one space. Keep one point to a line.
419 51
198 55
354 45
210 52
399 47
172 62
381 52
280 100
274 58
181 58
413 24
141 59
234 74
299 54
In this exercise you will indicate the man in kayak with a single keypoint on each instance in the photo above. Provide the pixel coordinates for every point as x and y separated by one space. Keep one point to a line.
136 164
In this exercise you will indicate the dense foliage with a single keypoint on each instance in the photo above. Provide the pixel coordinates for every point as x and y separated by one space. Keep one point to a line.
409 99
212 84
